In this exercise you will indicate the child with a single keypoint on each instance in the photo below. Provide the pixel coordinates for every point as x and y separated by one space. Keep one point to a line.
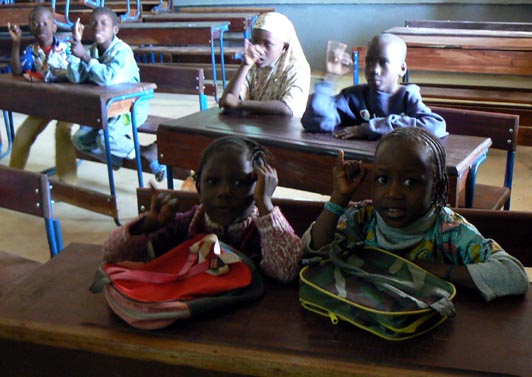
408 216
108 61
45 60
274 77
235 183
376 108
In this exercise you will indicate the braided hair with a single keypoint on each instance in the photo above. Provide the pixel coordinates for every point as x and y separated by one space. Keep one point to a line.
432 143
256 154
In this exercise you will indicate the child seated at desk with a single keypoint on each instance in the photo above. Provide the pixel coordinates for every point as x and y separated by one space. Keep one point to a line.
371 110
45 60
108 61
408 217
274 76
235 181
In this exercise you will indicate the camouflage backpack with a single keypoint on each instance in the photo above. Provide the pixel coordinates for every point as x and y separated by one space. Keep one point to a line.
377 291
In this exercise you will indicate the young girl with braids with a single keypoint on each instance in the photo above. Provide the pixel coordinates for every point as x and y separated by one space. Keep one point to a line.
408 216
235 181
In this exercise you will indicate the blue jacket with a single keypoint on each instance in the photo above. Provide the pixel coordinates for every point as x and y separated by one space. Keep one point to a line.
377 112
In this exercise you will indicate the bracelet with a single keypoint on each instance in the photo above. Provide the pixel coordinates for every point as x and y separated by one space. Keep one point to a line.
449 271
334 208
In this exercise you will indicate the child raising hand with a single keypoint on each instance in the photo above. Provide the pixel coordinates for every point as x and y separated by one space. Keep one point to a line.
235 181
408 216
274 76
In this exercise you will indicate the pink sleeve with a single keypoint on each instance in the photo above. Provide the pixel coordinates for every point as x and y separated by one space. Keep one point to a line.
122 245
281 247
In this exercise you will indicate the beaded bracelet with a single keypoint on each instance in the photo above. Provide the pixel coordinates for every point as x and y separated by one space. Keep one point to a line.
334 208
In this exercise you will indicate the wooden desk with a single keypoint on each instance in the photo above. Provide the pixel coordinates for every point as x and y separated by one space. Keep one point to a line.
464 50
304 160
51 325
178 33
86 104
238 22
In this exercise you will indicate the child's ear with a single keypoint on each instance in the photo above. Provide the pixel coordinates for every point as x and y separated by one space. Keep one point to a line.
115 29
403 69
285 47
54 28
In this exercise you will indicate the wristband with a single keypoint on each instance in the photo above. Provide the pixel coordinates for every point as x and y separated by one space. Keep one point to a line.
449 272
334 208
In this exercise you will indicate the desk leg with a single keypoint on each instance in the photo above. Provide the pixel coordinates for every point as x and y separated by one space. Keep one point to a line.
110 173
222 58
10 133
213 62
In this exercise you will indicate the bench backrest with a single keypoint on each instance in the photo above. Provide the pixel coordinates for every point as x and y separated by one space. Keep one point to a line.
470 25
176 79
29 193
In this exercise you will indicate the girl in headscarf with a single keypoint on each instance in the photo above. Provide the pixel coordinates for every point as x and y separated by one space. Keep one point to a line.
274 76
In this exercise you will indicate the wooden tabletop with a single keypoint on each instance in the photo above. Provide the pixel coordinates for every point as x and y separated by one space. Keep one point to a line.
52 322
172 33
304 159
77 103
238 22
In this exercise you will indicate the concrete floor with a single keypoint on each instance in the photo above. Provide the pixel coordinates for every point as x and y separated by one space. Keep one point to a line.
25 236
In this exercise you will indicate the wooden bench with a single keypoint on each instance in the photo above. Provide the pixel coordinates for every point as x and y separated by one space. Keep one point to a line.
470 25
301 213
202 9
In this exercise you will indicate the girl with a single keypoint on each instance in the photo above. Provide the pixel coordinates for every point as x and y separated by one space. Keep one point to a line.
235 182
408 216
274 77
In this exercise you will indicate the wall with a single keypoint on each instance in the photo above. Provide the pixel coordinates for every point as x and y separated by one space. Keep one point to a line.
355 22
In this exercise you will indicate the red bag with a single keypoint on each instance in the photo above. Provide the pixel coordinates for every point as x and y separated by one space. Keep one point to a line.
194 277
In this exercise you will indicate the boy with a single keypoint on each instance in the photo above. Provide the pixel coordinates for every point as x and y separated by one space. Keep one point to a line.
46 60
376 108
108 61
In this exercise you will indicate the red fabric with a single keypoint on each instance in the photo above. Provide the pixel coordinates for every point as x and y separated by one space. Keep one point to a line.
200 285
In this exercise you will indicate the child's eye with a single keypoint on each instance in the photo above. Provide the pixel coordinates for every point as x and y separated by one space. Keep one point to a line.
381 179
211 181
409 182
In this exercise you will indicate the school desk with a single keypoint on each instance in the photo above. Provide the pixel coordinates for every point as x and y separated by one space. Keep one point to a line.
178 34
51 325
304 160
85 104
238 22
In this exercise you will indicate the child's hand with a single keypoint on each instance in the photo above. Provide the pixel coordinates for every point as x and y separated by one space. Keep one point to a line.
163 208
229 101
347 176
14 32
339 63
77 30
354 132
252 52
264 188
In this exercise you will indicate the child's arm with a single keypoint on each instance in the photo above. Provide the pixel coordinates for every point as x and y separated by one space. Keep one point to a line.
321 114
347 176
16 37
231 97
130 241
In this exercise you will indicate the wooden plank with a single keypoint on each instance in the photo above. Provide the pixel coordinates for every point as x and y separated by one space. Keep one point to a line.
476 25
84 198
201 9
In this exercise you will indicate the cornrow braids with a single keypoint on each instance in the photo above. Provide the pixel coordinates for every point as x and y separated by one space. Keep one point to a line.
256 153
432 143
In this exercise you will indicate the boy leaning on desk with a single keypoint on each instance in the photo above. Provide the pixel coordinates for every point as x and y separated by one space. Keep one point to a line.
368 111
108 61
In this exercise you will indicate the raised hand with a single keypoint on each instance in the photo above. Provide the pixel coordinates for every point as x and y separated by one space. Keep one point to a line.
14 32
163 207
77 30
347 177
264 188
252 52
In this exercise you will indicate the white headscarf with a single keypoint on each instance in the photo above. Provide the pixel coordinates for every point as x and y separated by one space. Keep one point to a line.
280 26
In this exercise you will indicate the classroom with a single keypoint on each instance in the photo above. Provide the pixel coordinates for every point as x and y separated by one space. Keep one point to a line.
183 85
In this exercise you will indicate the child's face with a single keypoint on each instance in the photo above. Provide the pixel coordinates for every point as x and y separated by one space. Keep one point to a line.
271 45
384 66
43 28
403 187
226 187
103 30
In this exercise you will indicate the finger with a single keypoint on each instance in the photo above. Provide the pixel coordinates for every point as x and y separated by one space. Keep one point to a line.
340 160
